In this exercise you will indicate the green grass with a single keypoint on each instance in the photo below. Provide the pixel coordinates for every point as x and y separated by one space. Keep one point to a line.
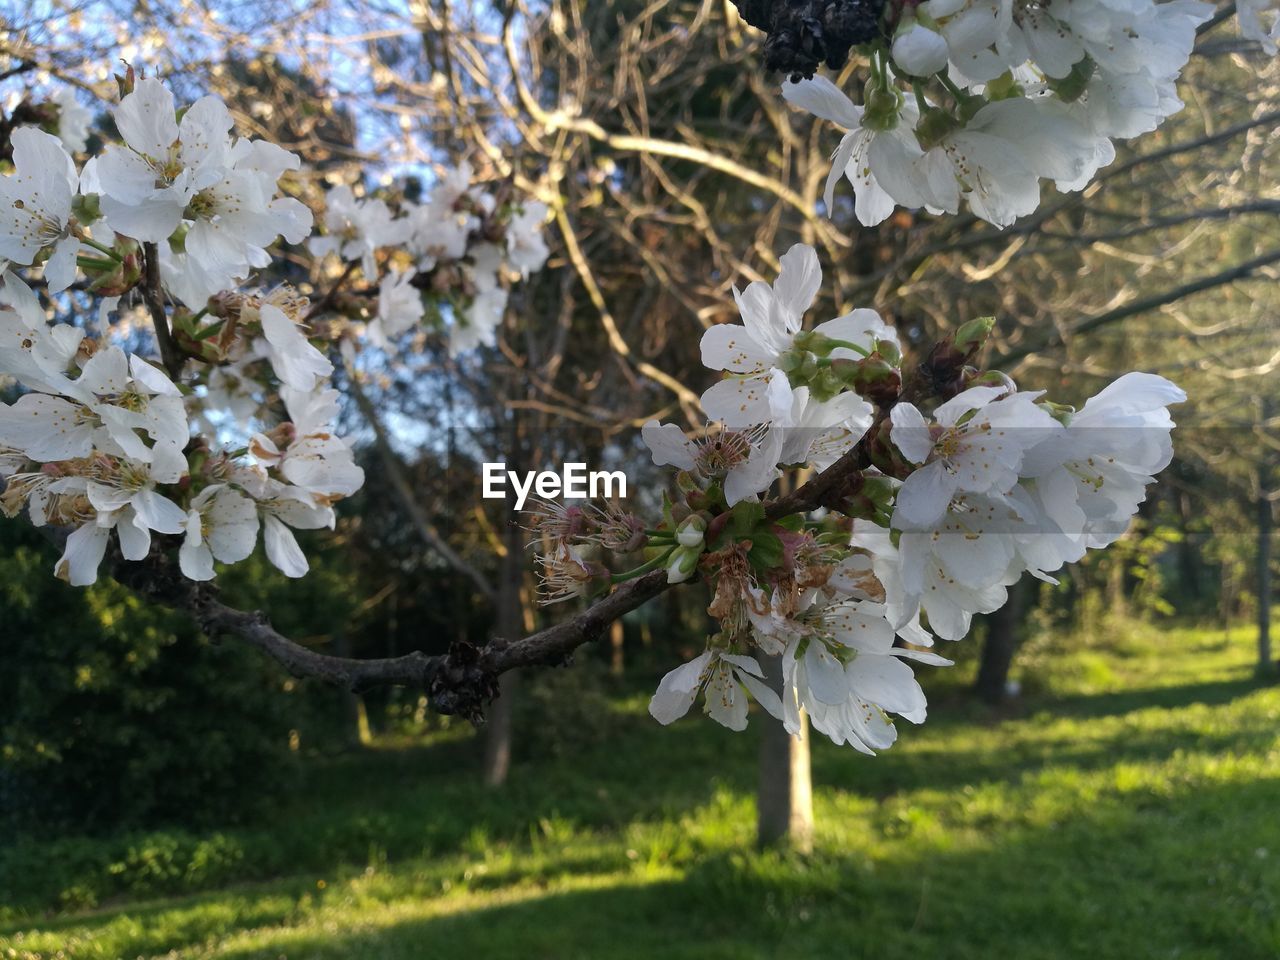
1130 810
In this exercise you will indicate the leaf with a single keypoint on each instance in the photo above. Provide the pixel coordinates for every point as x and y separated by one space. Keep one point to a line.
747 515
766 551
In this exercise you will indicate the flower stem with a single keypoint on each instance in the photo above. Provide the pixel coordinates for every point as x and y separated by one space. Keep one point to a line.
102 248
644 568
863 351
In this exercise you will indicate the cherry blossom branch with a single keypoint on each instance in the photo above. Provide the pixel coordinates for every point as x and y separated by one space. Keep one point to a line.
461 681
153 297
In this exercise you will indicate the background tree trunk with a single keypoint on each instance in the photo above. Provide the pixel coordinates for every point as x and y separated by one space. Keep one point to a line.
617 648
509 624
1266 666
784 799
353 706
1003 634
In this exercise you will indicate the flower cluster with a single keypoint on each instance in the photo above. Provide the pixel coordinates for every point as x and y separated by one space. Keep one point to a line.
977 102
951 483
102 442
461 240
235 435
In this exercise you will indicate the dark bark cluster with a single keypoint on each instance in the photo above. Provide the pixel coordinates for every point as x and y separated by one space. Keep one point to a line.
804 34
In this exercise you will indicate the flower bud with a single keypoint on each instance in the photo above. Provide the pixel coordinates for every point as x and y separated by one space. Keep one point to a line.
1003 87
890 351
1062 412
971 337
883 106
691 532
875 379
935 125
85 207
682 563
919 51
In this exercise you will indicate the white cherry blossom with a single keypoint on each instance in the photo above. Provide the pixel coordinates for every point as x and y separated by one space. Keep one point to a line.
863 153
148 180
1091 477
74 119
400 308
35 206
222 524
975 444
725 679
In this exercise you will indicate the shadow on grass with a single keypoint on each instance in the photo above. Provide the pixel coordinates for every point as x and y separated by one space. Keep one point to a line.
1211 694
1186 880
423 814
1084 733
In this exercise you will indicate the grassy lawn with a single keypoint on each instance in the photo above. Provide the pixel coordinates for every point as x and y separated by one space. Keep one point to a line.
1129 809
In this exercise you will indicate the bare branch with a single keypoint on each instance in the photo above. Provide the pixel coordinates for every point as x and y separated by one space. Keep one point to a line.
1057 338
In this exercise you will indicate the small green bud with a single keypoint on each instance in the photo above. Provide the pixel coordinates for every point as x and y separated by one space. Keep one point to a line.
808 368
691 532
1061 412
682 563
805 340
883 103
825 385
889 351
1071 87
1003 87
971 336
934 126
86 208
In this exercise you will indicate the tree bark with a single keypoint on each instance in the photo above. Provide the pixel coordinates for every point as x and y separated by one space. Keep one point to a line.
358 731
1004 628
1265 664
784 799
1117 596
509 625
617 648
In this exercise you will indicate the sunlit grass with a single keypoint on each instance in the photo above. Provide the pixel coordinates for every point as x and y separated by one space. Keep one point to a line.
1132 814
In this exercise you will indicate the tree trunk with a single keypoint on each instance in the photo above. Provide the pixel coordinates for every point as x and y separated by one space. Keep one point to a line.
617 645
509 623
1265 664
353 704
784 801
1004 628
1117 596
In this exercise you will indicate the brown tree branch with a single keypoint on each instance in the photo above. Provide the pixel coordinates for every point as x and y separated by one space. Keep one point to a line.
461 681
153 297
1058 337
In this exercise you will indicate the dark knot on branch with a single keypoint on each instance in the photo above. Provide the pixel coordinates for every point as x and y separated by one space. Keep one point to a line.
804 34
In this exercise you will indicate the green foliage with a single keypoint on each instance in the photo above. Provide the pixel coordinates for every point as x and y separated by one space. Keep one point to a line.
113 712
564 712
1130 817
